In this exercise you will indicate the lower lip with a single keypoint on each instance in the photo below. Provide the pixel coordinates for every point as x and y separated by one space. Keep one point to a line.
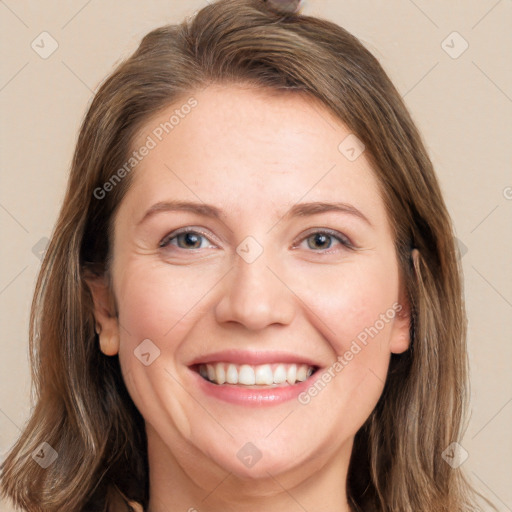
252 396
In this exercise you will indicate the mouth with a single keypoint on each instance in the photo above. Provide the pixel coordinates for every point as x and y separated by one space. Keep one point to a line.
261 376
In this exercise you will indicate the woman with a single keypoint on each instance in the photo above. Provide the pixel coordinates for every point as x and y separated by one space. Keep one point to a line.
252 297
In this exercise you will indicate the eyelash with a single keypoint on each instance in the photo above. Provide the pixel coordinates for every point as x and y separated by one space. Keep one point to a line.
344 241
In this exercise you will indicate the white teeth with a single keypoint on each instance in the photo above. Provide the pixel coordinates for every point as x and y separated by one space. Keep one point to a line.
302 373
211 371
264 375
220 374
291 374
260 375
280 374
232 374
246 375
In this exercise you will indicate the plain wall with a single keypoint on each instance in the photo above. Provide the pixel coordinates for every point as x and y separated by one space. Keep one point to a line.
462 107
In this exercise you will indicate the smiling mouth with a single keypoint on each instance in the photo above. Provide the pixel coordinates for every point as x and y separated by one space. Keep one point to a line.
247 375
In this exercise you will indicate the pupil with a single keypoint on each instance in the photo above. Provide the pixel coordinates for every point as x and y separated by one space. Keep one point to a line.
191 239
320 239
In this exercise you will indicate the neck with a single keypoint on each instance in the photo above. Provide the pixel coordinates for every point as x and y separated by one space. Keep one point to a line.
197 485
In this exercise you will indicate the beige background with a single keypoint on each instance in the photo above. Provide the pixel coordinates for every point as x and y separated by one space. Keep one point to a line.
461 105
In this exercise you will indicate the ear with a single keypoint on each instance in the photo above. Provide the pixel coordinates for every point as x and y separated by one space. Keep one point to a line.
401 337
105 315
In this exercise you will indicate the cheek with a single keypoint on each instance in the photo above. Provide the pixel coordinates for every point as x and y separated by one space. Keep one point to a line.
349 303
160 302
354 312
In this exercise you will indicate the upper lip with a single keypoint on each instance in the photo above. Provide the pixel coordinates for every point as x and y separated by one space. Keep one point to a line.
252 357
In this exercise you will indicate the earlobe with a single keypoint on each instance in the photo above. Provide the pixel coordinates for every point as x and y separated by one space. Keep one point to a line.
109 344
105 317
401 339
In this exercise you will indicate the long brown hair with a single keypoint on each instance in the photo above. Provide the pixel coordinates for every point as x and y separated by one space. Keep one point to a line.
82 408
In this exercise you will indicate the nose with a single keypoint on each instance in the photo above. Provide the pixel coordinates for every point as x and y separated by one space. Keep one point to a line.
254 296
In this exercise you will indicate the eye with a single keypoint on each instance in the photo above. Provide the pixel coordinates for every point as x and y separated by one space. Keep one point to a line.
185 238
322 240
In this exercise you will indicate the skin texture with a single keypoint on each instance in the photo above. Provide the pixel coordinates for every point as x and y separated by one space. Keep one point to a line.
253 154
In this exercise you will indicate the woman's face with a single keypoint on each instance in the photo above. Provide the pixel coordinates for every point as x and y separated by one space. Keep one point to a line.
270 285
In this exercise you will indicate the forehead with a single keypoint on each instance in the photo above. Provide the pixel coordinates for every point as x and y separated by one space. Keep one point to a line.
238 146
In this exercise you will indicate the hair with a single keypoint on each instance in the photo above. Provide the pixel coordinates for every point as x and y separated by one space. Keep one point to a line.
82 408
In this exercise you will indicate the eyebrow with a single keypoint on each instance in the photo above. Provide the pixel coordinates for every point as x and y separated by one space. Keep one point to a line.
297 210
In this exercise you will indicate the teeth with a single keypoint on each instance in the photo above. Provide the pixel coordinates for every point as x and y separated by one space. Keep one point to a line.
246 375
280 375
220 374
264 375
210 370
302 373
291 374
232 374
260 375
